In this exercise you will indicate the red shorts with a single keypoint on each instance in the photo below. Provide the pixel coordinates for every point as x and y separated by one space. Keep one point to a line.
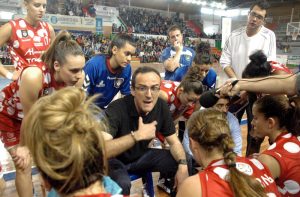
9 131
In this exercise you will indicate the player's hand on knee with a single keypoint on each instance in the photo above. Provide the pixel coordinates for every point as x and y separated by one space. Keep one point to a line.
22 158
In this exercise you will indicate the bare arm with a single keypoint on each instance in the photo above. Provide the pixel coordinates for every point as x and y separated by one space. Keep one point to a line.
230 72
271 163
115 147
283 84
30 86
280 85
190 187
175 147
52 33
178 153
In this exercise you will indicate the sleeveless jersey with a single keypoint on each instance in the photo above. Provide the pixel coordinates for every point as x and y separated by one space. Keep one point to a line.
11 110
276 66
213 178
27 43
286 150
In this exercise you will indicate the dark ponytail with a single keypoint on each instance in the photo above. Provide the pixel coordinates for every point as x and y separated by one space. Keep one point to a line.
258 66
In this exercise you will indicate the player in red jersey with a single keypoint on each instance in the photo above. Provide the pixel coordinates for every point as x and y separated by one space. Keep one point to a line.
62 66
26 38
181 97
224 173
278 118
70 152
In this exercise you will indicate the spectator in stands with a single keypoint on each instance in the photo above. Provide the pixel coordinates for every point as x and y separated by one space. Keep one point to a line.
176 59
279 118
109 74
26 38
224 173
134 120
69 118
53 9
233 60
62 66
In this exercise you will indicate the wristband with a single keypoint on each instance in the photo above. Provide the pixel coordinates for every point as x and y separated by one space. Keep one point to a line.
133 136
9 75
182 161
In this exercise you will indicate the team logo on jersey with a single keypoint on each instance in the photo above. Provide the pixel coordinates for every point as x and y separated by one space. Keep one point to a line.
118 82
101 84
24 33
188 58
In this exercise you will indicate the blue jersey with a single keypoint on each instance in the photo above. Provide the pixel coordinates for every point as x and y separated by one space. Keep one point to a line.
210 79
99 79
186 60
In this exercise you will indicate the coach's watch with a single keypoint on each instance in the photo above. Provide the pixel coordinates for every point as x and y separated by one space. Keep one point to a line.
182 161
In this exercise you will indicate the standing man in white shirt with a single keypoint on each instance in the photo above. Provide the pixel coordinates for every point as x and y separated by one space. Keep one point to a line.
235 56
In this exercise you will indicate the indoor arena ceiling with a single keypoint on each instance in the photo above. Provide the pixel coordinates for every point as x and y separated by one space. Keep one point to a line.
179 6
243 3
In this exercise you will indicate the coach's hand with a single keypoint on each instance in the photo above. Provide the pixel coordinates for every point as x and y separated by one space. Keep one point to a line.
145 131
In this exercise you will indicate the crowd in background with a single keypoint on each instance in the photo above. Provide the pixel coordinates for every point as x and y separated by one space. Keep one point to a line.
137 21
151 22
72 8
148 48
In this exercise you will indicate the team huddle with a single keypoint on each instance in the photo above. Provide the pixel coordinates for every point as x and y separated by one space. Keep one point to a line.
65 115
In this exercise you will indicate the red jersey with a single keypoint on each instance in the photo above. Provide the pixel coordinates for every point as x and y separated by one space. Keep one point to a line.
170 87
276 66
11 110
286 150
213 178
27 43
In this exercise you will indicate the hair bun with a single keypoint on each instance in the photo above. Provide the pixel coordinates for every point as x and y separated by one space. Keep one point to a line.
258 57
203 47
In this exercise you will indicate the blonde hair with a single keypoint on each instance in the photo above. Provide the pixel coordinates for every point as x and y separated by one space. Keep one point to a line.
210 129
60 48
65 140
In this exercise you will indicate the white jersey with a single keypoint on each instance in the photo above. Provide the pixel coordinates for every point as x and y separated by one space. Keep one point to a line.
239 47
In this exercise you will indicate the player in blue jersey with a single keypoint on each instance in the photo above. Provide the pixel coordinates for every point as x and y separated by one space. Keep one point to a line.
108 74
203 66
176 59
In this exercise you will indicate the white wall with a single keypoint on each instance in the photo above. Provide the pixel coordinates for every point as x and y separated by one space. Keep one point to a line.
213 22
